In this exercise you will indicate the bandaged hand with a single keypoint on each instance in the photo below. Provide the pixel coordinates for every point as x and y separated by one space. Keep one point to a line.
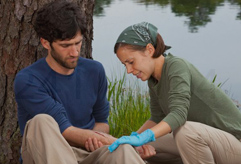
134 139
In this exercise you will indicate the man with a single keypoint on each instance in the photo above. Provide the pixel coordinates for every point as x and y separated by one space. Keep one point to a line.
62 105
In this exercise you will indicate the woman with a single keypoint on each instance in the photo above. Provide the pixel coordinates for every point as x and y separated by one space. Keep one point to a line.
190 116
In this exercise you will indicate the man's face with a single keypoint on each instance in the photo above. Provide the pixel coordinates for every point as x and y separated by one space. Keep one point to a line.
65 53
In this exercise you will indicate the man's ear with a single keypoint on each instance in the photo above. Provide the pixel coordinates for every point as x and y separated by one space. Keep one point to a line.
150 49
45 43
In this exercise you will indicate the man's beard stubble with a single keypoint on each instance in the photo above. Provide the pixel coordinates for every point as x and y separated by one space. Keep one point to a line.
61 62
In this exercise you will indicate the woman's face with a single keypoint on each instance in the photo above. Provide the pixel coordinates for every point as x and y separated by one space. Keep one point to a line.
140 64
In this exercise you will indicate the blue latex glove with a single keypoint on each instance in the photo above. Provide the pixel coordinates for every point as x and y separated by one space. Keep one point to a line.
135 139
134 133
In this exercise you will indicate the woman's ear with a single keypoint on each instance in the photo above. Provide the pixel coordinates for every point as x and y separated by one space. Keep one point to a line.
150 49
45 43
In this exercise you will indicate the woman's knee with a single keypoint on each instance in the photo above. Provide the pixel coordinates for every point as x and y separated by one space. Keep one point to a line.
185 132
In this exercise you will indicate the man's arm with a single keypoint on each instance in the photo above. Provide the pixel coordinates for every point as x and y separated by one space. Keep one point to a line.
101 127
77 137
34 98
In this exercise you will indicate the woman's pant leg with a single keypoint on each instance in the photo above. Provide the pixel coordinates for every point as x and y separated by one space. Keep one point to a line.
44 144
166 149
202 144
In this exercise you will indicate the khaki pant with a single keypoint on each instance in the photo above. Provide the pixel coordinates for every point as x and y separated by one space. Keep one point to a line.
44 144
197 143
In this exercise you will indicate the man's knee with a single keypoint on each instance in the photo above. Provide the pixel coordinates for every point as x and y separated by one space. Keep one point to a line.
126 147
41 120
127 154
39 124
126 150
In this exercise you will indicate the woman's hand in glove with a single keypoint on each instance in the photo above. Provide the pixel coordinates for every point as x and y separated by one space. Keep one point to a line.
134 139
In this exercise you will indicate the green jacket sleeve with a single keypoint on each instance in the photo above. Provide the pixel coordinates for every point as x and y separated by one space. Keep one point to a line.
156 112
179 94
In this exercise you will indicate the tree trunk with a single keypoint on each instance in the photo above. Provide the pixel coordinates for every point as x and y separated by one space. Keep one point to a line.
20 47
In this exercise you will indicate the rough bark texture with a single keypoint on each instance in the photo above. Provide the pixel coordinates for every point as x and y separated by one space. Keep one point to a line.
20 47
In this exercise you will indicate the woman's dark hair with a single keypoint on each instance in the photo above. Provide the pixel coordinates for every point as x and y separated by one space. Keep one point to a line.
59 20
160 47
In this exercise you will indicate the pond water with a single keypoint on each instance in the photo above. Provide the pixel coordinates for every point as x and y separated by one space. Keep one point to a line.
206 33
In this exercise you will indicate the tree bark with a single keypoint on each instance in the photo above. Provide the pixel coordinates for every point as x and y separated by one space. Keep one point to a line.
20 47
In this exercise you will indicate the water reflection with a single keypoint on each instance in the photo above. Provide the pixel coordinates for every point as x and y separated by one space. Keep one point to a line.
236 3
198 12
205 32
99 7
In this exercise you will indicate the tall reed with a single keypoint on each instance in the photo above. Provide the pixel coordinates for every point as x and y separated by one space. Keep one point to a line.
129 106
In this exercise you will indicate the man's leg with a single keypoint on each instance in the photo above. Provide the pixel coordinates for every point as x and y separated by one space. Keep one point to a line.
43 143
124 154
202 144
166 149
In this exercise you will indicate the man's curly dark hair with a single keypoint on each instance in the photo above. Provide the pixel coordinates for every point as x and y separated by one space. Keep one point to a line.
59 20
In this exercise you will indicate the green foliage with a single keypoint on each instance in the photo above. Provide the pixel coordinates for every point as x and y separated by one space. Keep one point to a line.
214 79
219 84
129 106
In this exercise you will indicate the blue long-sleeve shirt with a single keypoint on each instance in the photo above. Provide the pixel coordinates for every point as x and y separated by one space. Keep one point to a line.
76 100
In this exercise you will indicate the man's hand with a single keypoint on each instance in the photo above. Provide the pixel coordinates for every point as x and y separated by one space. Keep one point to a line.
92 144
135 139
77 137
146 151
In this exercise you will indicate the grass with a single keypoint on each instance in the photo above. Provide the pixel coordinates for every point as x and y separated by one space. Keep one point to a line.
219 84
129 106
